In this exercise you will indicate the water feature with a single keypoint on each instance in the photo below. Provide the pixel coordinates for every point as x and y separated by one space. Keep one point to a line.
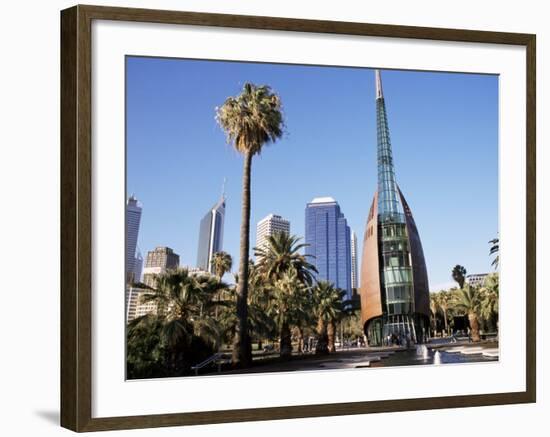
422 351
422 356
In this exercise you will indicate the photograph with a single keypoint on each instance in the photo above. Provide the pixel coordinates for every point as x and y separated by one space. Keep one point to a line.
288 217
270 219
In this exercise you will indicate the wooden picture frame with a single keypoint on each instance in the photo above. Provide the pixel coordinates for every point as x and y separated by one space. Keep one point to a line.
76 218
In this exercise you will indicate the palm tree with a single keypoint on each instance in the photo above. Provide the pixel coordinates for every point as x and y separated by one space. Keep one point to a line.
221 263
331 336
214 328
494 250
281 254
305 319
260 323
490 297
222 325
444 302
468 299
181 299
287 309
434 307
459 275
348 320
328 307
275 260
338 308
250 120
145 348
452 311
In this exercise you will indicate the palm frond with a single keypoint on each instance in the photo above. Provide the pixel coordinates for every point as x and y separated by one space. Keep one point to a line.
251 119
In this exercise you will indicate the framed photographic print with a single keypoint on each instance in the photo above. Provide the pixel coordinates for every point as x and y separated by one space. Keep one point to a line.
268 218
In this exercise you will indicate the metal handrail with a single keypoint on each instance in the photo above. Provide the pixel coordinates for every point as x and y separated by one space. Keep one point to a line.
216 357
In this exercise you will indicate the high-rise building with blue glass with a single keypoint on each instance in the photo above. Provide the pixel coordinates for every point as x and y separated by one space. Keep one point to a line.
394 280
354 271
328 242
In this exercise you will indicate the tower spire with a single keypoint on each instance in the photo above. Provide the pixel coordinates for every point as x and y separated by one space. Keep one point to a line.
388 198
223 187
379 92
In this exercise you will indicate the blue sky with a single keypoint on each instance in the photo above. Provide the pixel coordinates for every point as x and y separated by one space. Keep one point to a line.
443 128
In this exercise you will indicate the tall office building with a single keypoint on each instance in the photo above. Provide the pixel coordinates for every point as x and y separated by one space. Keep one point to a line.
268 226
354 278
328 242
158 261
394 280
133 218
211 235
138 266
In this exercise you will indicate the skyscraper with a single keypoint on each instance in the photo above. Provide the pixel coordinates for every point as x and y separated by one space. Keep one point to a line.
354 278
133 218
158 261
270 225
328 241
394 280
138 266
211 235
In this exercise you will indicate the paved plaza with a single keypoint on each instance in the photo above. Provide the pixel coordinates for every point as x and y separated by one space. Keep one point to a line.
356 358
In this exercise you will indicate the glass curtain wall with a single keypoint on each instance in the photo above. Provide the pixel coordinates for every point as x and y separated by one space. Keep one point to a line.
396 278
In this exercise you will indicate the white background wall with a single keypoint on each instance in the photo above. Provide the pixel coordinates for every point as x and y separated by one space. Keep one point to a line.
29 219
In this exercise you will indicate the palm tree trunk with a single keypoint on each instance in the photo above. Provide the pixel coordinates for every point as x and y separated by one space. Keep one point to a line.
242 354
474 326
285 345
218 298
445 320
322 338
300 340
331 334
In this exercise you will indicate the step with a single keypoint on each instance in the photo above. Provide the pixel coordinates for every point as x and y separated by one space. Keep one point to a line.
472 350
454 350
